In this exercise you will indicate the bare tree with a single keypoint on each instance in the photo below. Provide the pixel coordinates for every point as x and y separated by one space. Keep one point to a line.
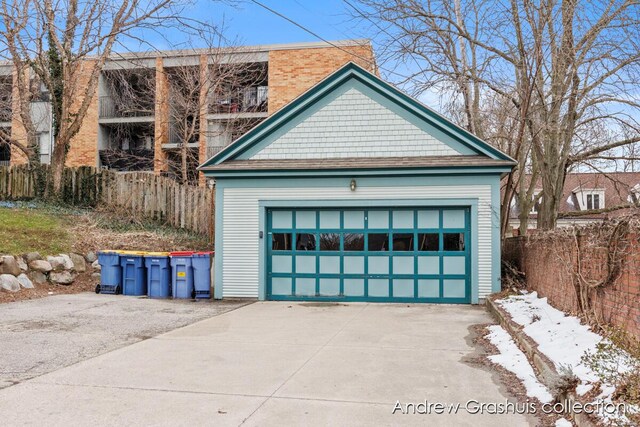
221 81
216 86
66 44
566 67
6 99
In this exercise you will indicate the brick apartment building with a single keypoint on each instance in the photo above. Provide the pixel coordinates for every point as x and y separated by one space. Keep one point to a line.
142 134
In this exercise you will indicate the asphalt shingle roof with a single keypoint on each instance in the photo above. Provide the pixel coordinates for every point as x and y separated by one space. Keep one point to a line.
357 163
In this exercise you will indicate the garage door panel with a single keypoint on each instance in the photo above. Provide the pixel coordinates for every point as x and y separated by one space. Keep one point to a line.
281 285
378 287
330 264
305 286
378 219
354 264
453 288
353 287
282 219
428 264
454 264
305 264
403 219
369 254
428 288
282 264
429 219
354 220
306 220
404 265
329 287
403 288
378 264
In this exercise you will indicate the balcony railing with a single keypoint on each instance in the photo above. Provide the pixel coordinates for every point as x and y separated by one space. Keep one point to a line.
175 137
127 160
109 109
5 163
244 100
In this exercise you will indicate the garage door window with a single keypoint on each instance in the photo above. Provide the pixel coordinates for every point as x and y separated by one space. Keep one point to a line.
378 242
453 242
428 242
329 242
354 242
305 242
403 242
281 242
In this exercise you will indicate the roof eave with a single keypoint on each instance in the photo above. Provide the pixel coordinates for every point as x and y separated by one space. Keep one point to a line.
351 172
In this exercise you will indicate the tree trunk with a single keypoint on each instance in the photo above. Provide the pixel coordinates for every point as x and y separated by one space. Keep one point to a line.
58 159
185 153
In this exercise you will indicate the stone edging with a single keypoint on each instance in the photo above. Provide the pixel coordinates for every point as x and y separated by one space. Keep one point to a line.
545 370
22 271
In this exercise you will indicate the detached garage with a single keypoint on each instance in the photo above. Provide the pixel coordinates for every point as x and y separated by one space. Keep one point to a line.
356 192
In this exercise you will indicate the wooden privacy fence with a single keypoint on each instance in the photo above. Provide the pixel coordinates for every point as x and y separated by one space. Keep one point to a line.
140 194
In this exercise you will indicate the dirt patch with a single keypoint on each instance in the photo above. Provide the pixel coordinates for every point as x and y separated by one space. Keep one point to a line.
101 230
83 283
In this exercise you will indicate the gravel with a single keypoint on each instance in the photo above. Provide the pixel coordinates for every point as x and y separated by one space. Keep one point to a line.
46 334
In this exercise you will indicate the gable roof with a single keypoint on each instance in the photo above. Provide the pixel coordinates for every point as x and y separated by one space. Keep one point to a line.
350 73
617 188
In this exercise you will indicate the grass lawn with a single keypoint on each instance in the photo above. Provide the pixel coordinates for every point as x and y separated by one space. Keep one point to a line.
26 230
50 230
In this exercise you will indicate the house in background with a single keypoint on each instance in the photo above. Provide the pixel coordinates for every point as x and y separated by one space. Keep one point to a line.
584 192
140 134
356 192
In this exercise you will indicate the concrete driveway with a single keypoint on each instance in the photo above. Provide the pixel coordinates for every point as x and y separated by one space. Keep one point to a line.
43 335
276 364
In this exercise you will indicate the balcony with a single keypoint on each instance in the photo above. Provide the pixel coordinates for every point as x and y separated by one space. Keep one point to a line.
109 109
175 137
127 160
243 100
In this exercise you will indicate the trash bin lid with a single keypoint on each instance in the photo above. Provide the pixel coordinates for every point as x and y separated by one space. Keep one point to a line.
152 254
181 253
133 253
108 251
203 254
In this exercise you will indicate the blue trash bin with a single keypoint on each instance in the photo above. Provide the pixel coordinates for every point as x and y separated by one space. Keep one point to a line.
158 274
201 262
182 275
134 277
110 273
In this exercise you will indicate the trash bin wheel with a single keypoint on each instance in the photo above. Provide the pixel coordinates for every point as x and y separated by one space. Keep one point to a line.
193 294
118 290
97 289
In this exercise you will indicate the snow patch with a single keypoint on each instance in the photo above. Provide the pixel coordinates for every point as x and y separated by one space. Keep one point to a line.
514 360
563 339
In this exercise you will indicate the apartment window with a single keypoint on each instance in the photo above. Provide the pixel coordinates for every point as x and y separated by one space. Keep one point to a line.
593 201
537 201
45 148
634 195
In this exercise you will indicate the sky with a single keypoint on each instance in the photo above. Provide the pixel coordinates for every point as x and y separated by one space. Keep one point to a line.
251 24
247 23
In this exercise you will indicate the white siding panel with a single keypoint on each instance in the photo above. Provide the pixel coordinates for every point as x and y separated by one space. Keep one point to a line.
241 225
354 125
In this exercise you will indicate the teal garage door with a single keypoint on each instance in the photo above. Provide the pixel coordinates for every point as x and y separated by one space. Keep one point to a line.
385 255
